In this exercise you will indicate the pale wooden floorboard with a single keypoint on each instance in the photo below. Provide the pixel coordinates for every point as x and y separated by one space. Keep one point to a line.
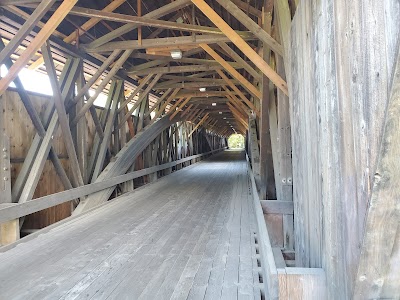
190 235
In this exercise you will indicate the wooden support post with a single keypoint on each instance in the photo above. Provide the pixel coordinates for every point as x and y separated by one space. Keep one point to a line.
107 131
81 136
242 45
9 231
62 115
267 181
33 165
285 157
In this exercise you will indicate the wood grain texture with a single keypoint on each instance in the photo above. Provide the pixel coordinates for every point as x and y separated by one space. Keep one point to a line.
150 244
344 52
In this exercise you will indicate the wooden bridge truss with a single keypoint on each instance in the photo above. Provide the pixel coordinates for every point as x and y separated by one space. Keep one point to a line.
242 57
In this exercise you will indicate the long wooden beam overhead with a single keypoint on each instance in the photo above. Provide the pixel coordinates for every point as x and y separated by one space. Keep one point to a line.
37 42
201 94
161 60
82 29
37 14
143 21
188 85
176 69
251 25
176 42
242 45
155 14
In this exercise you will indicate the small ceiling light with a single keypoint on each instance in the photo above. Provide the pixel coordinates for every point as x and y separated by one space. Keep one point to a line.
176 54
202 89
220 112
214 104
224 118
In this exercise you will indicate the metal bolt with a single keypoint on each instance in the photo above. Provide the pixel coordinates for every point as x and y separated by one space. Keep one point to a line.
283 180
5 178
289 180
4 149
5 156
5 168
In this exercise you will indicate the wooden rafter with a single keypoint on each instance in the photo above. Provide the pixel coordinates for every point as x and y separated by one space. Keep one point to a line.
242 45
82 29
245 83
36 43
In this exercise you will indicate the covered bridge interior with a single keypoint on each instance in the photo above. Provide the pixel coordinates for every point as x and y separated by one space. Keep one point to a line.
118 176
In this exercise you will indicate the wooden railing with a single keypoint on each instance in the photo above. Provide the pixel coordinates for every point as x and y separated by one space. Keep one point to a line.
12 211
280 281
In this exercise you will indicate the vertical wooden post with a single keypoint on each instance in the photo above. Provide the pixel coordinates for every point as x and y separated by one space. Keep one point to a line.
9 231
285 149
267 181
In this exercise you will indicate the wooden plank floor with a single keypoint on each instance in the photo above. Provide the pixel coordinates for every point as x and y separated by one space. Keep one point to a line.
190 235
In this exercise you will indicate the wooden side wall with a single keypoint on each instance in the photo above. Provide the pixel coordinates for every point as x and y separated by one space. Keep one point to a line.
21 132
342 56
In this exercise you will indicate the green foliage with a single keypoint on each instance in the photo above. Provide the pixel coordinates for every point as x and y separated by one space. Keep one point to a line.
236 141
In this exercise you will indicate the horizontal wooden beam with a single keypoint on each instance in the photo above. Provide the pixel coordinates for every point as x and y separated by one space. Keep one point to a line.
277 207
176 69
110 16
159 43
201 94
155 14
13 211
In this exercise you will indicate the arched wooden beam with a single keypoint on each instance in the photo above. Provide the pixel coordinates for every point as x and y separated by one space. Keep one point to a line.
123 160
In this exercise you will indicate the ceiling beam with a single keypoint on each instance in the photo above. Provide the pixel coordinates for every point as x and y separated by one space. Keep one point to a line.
177 42
251 25
242 45
37 42
155 14
26 29
143 21
176 69
81 30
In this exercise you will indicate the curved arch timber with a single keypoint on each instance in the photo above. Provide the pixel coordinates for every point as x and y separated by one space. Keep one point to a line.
124 159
